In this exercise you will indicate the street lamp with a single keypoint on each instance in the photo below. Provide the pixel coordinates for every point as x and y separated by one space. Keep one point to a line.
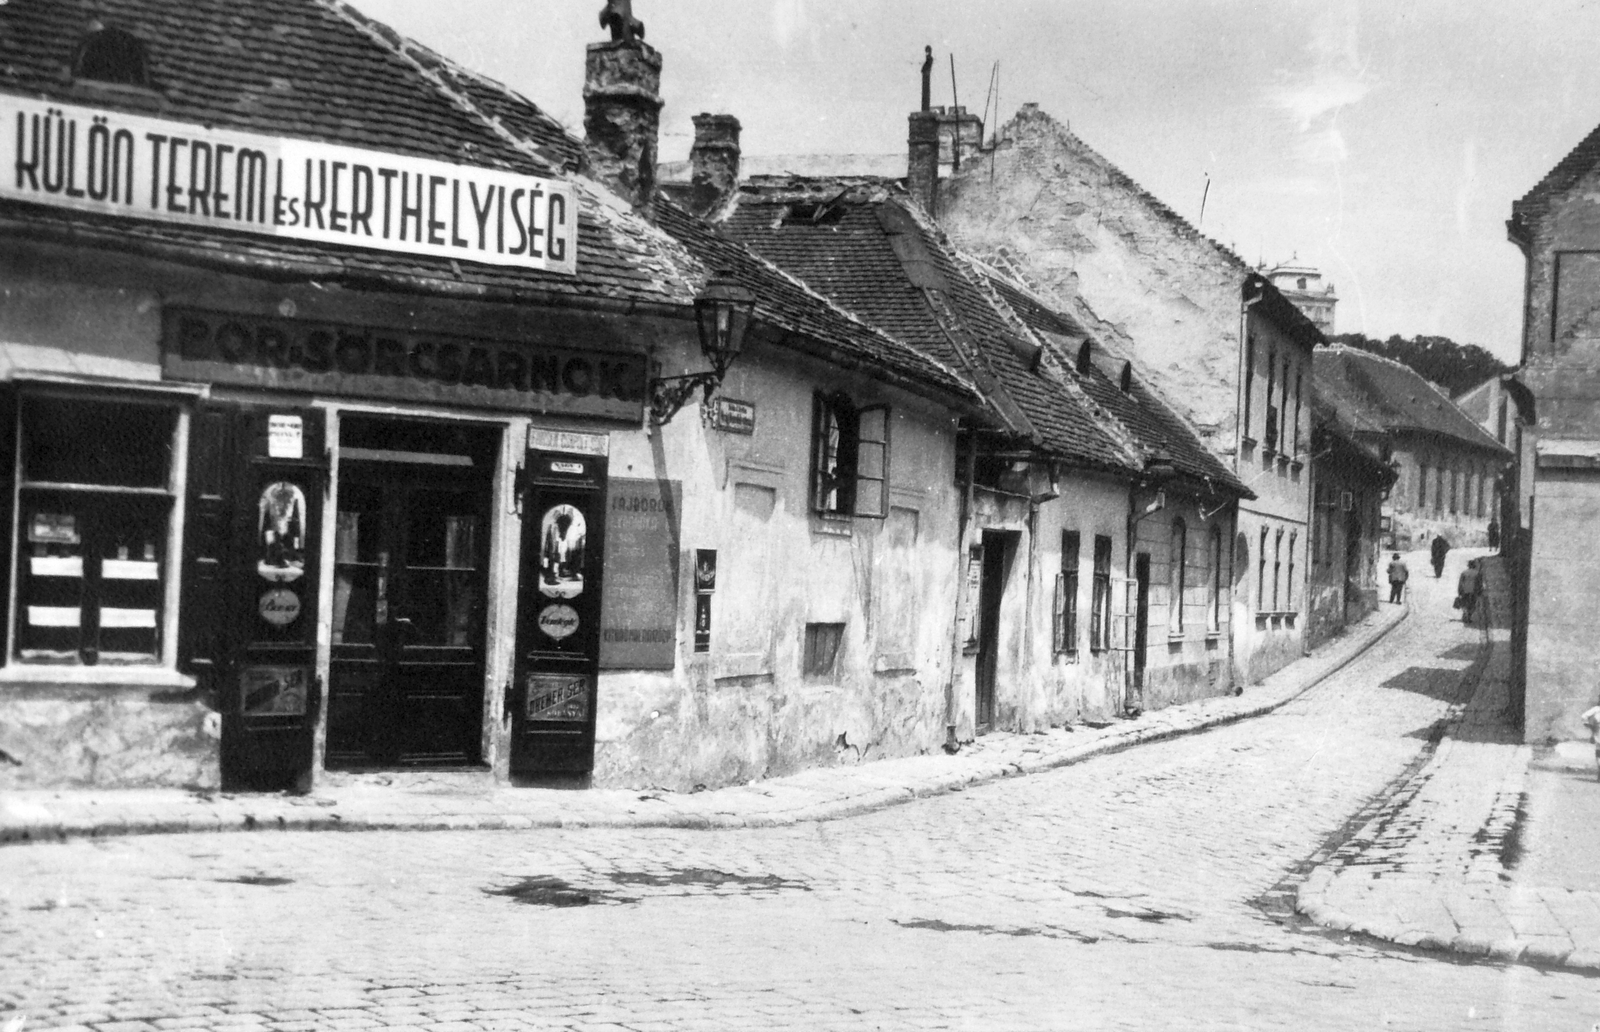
722 314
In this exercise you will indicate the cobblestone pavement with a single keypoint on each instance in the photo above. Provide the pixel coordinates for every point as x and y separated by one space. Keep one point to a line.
1140 890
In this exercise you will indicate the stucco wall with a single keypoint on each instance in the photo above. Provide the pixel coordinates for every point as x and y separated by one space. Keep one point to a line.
745 710
1419 509
1563 624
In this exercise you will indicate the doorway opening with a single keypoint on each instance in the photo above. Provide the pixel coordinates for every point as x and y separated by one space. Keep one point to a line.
998 549
410 585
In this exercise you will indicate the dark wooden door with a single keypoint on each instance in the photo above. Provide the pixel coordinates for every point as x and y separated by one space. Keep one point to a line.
1141 617
558 616
991 589
409 598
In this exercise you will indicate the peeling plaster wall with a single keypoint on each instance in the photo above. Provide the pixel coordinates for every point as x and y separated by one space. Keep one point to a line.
105 736
745 710
1088 234
1340 596
1565 596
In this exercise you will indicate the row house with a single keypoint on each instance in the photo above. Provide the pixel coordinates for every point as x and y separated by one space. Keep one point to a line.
1554 417
1215 336
357 421
1095 523
1448 466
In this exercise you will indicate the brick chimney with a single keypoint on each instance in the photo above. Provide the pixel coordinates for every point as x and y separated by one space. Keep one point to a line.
713 163
622 117
922 168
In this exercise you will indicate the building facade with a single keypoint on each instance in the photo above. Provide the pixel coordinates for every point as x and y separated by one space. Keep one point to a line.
1302 285
1448 466
1212 334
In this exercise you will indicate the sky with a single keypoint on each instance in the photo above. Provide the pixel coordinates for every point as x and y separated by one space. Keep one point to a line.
1382 141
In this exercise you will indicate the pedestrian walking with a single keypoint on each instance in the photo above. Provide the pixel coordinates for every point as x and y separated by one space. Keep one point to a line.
1468 587
1591 718
1440 549
1399 573
1494 533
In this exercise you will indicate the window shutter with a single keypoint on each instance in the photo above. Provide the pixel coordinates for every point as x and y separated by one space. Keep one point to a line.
1058 637
872 462
206 535
819 452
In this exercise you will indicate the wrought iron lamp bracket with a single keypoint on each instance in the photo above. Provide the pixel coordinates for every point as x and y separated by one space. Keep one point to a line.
668 394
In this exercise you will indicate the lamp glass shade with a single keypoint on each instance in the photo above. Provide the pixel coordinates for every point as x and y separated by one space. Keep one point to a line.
723 312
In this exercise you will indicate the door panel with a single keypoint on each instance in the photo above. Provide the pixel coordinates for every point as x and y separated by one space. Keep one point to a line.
410 585
558 616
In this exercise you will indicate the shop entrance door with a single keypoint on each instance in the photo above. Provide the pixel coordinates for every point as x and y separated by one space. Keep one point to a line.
558 615
409 585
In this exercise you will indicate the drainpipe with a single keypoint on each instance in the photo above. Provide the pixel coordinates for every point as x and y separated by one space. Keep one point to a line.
1239 433
951 744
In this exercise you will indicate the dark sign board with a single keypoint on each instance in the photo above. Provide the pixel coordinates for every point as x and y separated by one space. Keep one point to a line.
639 610
731 416
338 358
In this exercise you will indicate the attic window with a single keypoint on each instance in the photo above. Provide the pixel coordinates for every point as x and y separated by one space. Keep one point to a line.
1125 381
805 213
114 56
1085 351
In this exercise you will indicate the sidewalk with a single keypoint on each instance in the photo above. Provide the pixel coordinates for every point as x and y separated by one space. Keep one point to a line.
1488 851
813 795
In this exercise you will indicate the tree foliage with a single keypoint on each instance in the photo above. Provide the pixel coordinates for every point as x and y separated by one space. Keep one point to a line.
1455 367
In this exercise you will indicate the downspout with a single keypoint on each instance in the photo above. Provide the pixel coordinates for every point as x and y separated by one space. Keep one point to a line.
951 744
1239 433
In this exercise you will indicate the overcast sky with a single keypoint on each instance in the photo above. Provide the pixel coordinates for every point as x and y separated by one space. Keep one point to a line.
1381 141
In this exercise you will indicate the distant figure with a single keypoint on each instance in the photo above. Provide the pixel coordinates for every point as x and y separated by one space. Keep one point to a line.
1440 549
617 15
1399 573
1494 533
1468 587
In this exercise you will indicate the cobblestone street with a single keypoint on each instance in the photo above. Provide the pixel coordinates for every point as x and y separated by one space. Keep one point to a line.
1131 891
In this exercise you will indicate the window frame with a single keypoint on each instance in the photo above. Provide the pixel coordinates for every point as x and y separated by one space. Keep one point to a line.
1177 575
1066 614
837 437
1100 611
1214 607
89 662
1261 574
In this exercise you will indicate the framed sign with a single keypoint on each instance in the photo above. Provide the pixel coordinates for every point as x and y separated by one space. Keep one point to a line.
731 416
562 697
274 691
639 611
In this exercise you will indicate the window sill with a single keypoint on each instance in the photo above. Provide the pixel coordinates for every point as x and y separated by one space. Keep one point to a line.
1297 465
133 676
1173 639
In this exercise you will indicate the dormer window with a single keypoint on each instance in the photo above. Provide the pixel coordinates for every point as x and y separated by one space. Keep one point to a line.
1085 352
1125 381
111 55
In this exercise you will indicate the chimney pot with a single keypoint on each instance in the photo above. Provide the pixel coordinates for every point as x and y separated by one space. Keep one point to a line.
622 117
713 163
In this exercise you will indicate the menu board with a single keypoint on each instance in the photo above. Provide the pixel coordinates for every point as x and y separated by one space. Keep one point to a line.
639 608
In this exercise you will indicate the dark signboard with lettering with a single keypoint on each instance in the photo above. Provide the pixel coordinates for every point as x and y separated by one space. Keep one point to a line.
335 358
639 610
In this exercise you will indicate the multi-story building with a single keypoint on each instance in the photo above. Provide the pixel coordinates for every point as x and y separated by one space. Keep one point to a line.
1302 285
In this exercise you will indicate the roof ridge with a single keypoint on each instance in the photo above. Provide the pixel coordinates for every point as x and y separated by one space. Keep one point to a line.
403 47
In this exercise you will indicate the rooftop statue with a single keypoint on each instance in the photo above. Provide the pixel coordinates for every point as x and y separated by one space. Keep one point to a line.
617 15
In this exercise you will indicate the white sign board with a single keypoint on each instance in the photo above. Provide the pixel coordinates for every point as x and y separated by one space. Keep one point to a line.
112 163
285 438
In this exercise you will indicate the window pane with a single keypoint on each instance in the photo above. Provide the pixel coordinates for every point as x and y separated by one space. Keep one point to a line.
96 442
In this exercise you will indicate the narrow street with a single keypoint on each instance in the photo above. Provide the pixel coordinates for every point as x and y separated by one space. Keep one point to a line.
1132 891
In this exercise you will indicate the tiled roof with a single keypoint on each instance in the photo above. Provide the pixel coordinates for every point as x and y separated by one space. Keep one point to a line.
1154 426
317 70
1582 158
788 304
870 250
1395 397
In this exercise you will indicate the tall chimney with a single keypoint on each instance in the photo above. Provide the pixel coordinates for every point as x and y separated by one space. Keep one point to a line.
713 163
622 117
922 168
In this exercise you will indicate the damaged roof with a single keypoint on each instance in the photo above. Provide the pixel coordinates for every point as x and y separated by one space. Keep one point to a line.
1154 426
318 70
865 246
1380 391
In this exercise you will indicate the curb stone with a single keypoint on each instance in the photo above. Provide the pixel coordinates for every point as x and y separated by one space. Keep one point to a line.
1159 727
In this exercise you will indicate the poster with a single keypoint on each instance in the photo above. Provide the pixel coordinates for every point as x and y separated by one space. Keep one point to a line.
273 691
639 610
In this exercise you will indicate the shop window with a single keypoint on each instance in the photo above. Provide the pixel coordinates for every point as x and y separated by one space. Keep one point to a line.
821 648
94 501
1177 574
849 457
1066 623
1100 614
